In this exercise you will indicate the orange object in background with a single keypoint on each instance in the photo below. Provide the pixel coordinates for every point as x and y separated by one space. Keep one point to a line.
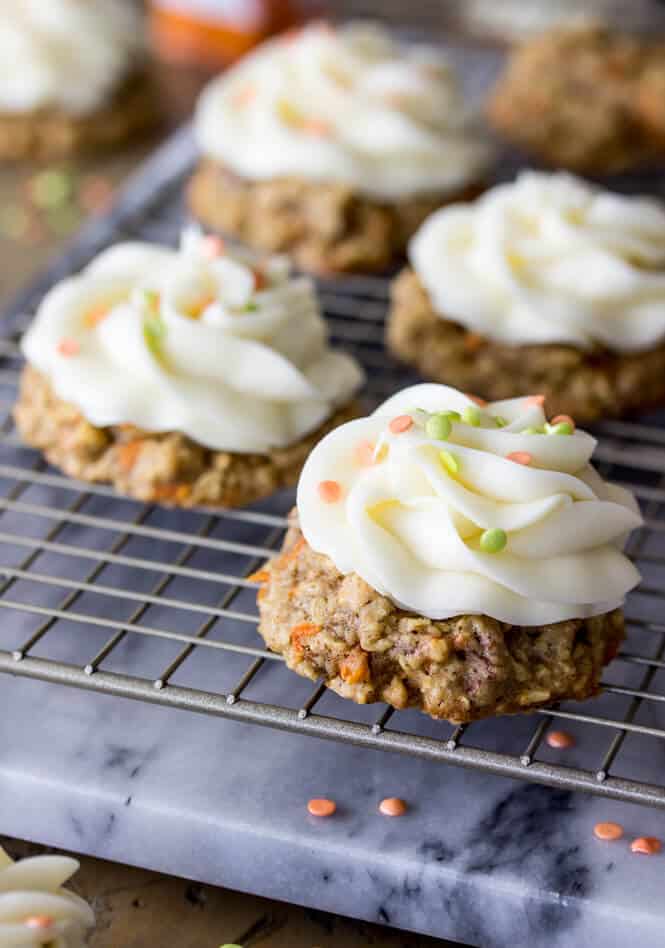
212 33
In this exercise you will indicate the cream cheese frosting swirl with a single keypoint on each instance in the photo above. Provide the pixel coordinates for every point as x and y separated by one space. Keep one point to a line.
348 105
449 508
230 350
66 54
35 909
549 259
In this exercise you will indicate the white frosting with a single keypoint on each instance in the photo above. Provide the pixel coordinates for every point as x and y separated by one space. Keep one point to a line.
65 54
413 531
188 343
349 105
31 896
549 259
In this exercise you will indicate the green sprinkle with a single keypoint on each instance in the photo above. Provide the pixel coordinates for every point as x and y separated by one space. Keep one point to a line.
438 427
471 416
453 415
500 421
563 428
532 431
250 307
449 461
493 541
151 298
154 332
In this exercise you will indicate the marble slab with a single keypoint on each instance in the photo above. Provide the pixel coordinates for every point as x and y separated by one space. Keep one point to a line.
488 861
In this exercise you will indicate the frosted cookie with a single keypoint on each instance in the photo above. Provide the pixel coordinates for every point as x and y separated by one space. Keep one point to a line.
464 560
189 377
35 909
333 145
574 98
78 77
542 285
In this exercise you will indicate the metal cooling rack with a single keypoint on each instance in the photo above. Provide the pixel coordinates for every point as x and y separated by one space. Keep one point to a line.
86 576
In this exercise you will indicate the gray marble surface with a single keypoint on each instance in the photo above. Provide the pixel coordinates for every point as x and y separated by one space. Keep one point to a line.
484 860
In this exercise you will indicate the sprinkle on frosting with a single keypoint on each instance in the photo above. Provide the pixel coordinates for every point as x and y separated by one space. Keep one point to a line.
401 424
564 420
364 453
351 105
458 528
520 457
471 416
69 347
330 492
548 259
228 348
535 400
40 921
438 427
477 400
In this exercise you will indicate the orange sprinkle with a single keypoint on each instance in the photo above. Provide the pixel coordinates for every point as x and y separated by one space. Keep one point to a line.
195 309
245 95
392 806
320 806
401 424
520 457
39 921
317 127
563 419
68 347
260 576
95 315
535 400
608 831
330 492
646 845
363 454
477 399
212 246
560 739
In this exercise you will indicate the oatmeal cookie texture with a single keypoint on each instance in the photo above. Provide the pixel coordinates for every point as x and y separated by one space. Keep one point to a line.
583 98
326 227
367 649
53 133
585 384
166 467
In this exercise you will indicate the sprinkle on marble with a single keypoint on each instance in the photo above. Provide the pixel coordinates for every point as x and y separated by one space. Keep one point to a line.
471 416
320 806
535 400
493 540
330 492
39 921
608 832
560 739
68 348
477 399
449 461
392 806
520 457
563 420
646 845
400 424
438 427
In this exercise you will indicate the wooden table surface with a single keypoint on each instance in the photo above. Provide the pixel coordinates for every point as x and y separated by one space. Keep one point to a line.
136 908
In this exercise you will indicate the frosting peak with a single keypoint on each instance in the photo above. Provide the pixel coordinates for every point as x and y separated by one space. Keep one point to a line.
549 259
451 508
349 105
66 54
35 909
227 349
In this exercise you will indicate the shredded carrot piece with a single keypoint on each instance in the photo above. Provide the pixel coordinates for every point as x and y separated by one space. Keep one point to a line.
355 667
176 492
260 576
302 630
128 453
